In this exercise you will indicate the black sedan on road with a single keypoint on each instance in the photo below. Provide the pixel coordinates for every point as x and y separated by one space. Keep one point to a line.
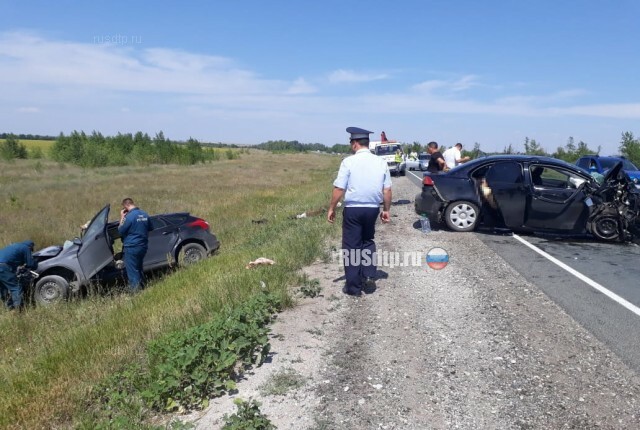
176 239
531 194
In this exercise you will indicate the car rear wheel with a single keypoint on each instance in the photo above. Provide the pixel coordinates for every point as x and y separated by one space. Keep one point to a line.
51 289
461 216
191 253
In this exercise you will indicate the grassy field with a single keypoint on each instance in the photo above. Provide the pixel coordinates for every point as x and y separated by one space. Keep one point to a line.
51 358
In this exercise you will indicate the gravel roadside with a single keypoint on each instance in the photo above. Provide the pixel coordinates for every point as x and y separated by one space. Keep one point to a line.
473 345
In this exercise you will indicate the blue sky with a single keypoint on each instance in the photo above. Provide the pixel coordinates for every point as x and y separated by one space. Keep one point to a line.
491 72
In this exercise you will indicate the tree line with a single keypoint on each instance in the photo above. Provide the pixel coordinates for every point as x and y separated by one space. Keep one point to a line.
26 136
96 150
295 146
629 147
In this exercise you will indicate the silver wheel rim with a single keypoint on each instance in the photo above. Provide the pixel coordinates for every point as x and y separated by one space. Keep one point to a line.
50 292
463 216
192 255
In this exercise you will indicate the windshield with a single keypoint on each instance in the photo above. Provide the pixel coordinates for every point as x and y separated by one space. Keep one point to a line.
387 149
608 163
424 157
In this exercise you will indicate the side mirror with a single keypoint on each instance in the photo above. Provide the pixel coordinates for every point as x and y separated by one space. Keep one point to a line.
77 241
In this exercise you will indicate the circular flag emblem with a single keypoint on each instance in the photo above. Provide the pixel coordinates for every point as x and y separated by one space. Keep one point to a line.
437 258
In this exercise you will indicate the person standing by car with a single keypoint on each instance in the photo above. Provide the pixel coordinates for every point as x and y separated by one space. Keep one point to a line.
398 157
364 181
436 162
453 156
13 256
134 229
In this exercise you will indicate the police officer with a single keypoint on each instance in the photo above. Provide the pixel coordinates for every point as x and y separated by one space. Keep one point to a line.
364 182
134 229
11 257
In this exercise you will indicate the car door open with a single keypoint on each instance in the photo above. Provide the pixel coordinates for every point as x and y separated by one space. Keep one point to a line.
95 251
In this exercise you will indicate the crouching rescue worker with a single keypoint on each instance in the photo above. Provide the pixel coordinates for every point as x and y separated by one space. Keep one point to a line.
365 183
13 256
134 229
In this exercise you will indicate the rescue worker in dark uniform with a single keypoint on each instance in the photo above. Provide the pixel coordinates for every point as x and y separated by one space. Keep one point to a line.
364 182
134 229
13 256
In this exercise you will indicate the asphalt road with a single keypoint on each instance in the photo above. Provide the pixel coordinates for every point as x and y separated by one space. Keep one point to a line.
596 268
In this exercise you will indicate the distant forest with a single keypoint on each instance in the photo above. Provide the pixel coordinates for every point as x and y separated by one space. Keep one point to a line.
96 150
118 148
629 147
27 136
295 146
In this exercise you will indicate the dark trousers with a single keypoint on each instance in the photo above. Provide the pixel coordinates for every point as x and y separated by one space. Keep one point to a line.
133 258
358 247
9 283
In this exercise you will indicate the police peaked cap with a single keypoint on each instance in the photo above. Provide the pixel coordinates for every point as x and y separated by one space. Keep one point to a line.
358 133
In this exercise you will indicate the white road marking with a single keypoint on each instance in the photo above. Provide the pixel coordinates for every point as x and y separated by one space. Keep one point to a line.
419 177
613 296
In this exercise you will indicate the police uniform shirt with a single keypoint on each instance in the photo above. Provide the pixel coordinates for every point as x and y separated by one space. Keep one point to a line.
363 176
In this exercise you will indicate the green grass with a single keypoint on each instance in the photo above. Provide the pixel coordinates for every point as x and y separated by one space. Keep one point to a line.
51 358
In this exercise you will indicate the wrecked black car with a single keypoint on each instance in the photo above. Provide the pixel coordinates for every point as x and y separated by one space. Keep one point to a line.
532 194
176 239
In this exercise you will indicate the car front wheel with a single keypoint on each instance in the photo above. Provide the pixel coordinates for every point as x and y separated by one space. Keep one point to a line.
606 227
191 253
461 216
51 289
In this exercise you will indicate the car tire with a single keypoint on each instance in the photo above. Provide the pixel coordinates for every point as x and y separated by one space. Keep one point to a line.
191 253
51 289
403 173
462 216
606 227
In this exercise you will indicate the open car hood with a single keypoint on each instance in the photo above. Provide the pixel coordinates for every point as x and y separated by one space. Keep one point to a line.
614 172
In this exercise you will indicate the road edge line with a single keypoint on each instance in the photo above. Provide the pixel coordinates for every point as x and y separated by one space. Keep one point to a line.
613 296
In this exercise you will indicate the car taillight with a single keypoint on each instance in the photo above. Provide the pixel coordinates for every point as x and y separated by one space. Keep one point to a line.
427 181
199 223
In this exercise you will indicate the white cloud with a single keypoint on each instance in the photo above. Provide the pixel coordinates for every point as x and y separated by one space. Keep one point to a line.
349 76
559 96
623 110
457 85
115 87
301 86
32 61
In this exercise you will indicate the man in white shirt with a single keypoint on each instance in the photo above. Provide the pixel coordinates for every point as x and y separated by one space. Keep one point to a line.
453 156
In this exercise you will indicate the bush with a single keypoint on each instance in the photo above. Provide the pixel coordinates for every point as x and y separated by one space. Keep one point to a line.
127 149
186 368
247 417
12 148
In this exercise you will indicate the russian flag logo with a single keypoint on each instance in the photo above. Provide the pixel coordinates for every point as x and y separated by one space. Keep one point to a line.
437 258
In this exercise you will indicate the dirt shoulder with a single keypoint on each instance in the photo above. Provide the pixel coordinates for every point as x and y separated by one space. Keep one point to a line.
471 346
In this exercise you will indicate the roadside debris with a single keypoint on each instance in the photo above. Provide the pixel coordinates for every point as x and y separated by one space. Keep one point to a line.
307 214
259 261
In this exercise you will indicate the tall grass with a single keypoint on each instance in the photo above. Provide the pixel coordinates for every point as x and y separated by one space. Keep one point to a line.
51 357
